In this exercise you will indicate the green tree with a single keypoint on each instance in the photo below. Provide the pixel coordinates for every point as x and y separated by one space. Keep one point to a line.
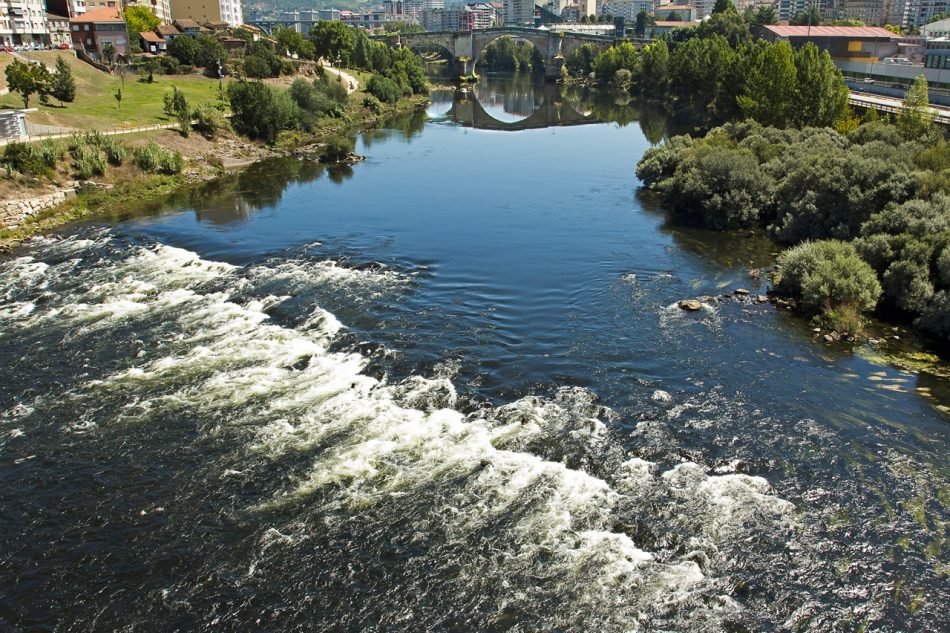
821 97
140 19
184 49
656 68
176 106
812 17
770 88
118 98
108 53
255 110
332 40
723 5
674 16
915 118
644 20
62 84
27 79
757 16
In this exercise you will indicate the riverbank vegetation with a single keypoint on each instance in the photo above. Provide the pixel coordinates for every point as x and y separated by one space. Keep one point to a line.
865 205
881 191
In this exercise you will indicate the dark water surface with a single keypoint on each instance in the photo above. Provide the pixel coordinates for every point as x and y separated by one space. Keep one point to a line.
449 389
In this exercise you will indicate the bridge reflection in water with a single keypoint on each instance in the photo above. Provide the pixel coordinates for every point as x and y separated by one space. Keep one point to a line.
521 103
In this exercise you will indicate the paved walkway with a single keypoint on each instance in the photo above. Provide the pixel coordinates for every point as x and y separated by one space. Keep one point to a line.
352 82
66 134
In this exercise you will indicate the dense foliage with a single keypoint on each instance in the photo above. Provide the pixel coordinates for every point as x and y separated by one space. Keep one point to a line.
354 49
883 188
262 112
85 156
505 54
715 72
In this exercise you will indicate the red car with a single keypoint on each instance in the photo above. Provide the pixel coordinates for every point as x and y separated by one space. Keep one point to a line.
64 46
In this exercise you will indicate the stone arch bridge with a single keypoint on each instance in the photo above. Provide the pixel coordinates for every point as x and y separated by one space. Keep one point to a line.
466 46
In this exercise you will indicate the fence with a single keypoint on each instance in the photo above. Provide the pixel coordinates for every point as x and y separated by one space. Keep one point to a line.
42 136
868 101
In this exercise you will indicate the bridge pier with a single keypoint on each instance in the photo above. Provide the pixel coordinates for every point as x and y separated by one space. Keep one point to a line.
552 68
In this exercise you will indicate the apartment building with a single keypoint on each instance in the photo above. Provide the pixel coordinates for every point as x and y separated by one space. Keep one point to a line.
95 28
23 22
208 11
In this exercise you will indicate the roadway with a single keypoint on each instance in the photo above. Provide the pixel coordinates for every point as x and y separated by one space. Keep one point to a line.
893 104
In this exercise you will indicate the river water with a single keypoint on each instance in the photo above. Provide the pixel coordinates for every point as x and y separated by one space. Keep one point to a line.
449 389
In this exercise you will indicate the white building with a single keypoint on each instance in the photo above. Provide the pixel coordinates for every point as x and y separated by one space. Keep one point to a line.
23 22
941 28
627 9
519 12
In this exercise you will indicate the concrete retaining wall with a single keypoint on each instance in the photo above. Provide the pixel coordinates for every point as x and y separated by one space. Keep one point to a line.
16 212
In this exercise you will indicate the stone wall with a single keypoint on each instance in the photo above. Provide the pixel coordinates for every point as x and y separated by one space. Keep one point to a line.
15 212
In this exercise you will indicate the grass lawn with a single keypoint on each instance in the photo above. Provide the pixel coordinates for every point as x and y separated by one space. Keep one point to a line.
95 106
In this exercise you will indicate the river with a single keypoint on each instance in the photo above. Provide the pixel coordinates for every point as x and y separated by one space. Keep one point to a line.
449 389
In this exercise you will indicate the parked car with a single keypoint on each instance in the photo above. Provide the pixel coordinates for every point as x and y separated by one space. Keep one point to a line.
64 46
868 80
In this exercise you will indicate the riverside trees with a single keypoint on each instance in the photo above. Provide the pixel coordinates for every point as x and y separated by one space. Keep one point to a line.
882 189
715 72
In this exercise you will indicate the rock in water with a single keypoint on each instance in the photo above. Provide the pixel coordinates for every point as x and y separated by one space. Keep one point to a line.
740 291
662 396
690 304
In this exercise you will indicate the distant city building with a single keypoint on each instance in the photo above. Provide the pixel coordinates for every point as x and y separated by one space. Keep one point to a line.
686 12
58 30
23 22
98 27
843 43
67 8
941 28
920 12
937 53
208 10
519 12
662 26
627 9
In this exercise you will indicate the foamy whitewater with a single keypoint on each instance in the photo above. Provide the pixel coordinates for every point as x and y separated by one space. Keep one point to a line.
524 512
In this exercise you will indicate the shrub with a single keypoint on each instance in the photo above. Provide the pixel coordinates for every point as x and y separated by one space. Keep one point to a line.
372 104
337 148
115 151
170 163
725 186
384 89
153 159
186 69
935 318
828 276
23 158
147 157
50 153
207 120
88 162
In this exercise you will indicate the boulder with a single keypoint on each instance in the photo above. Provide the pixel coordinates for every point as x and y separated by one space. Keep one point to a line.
690 305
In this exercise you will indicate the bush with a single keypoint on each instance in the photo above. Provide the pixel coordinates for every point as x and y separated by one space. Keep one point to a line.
115 151
256 67
186 69
147 157
170 163
88 162
372 104
207 120
23 158
169 65
153 159
257 111
50 153
828 276
384 89
337 148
